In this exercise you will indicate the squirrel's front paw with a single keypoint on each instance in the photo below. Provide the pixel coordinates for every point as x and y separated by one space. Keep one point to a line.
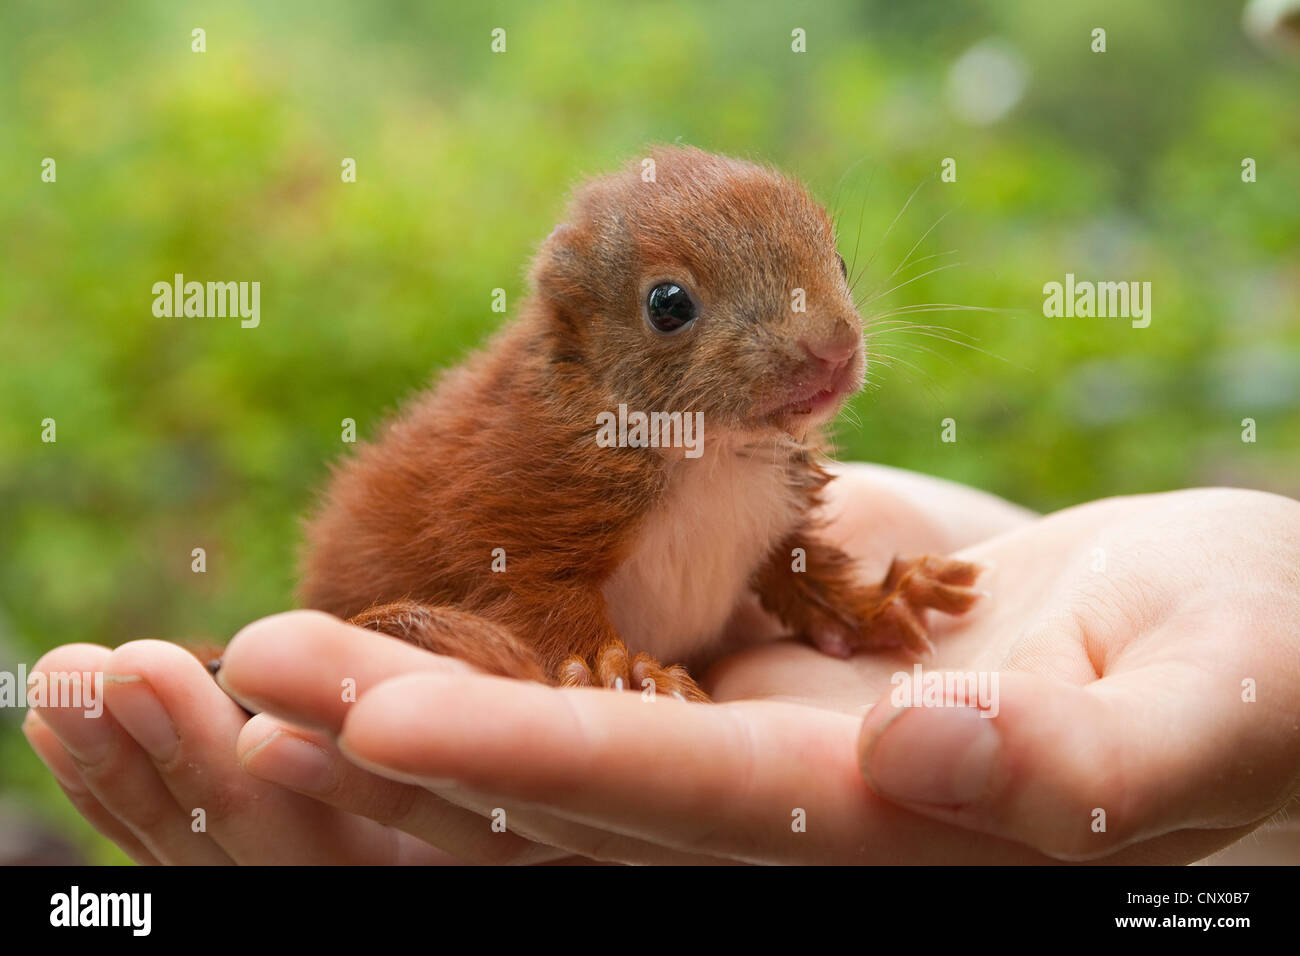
612 667
892 614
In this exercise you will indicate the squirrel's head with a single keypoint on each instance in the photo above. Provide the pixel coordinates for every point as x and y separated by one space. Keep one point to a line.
694 282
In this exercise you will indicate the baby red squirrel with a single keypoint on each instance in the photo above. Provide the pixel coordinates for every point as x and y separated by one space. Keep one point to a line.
497 520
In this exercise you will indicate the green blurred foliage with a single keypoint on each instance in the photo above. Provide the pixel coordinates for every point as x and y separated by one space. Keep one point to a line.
183 433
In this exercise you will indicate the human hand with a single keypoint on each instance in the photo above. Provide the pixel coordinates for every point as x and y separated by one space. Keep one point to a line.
164 747
640 798
1120 690
1148 651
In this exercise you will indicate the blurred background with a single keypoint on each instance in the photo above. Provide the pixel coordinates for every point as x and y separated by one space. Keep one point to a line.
182 433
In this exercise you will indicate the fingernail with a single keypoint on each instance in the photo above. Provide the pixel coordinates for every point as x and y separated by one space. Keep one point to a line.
136 707
86 737
942 756
52 754
290 761
215 668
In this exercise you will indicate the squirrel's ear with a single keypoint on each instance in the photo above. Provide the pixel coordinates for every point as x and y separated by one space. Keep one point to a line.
560 233
555 261
560 246
559 243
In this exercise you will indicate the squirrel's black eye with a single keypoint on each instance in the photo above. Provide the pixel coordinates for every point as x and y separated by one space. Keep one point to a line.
670 307
844 269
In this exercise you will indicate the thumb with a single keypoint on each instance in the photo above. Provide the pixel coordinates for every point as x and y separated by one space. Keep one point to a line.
1075 772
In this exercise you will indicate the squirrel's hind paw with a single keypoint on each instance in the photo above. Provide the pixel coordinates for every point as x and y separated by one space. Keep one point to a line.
614 669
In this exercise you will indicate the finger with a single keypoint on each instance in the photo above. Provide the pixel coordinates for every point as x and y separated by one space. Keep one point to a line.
756 782
168 702
307 667
571 839
68 777
310 764
113 767
472 826
296 665
1079 772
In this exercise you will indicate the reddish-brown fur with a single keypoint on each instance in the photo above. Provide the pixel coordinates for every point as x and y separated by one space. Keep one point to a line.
502 454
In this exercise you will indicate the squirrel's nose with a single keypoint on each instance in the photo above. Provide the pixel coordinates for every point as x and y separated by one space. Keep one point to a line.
834 349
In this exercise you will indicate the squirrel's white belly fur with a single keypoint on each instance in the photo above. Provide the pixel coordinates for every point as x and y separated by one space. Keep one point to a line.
697 552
